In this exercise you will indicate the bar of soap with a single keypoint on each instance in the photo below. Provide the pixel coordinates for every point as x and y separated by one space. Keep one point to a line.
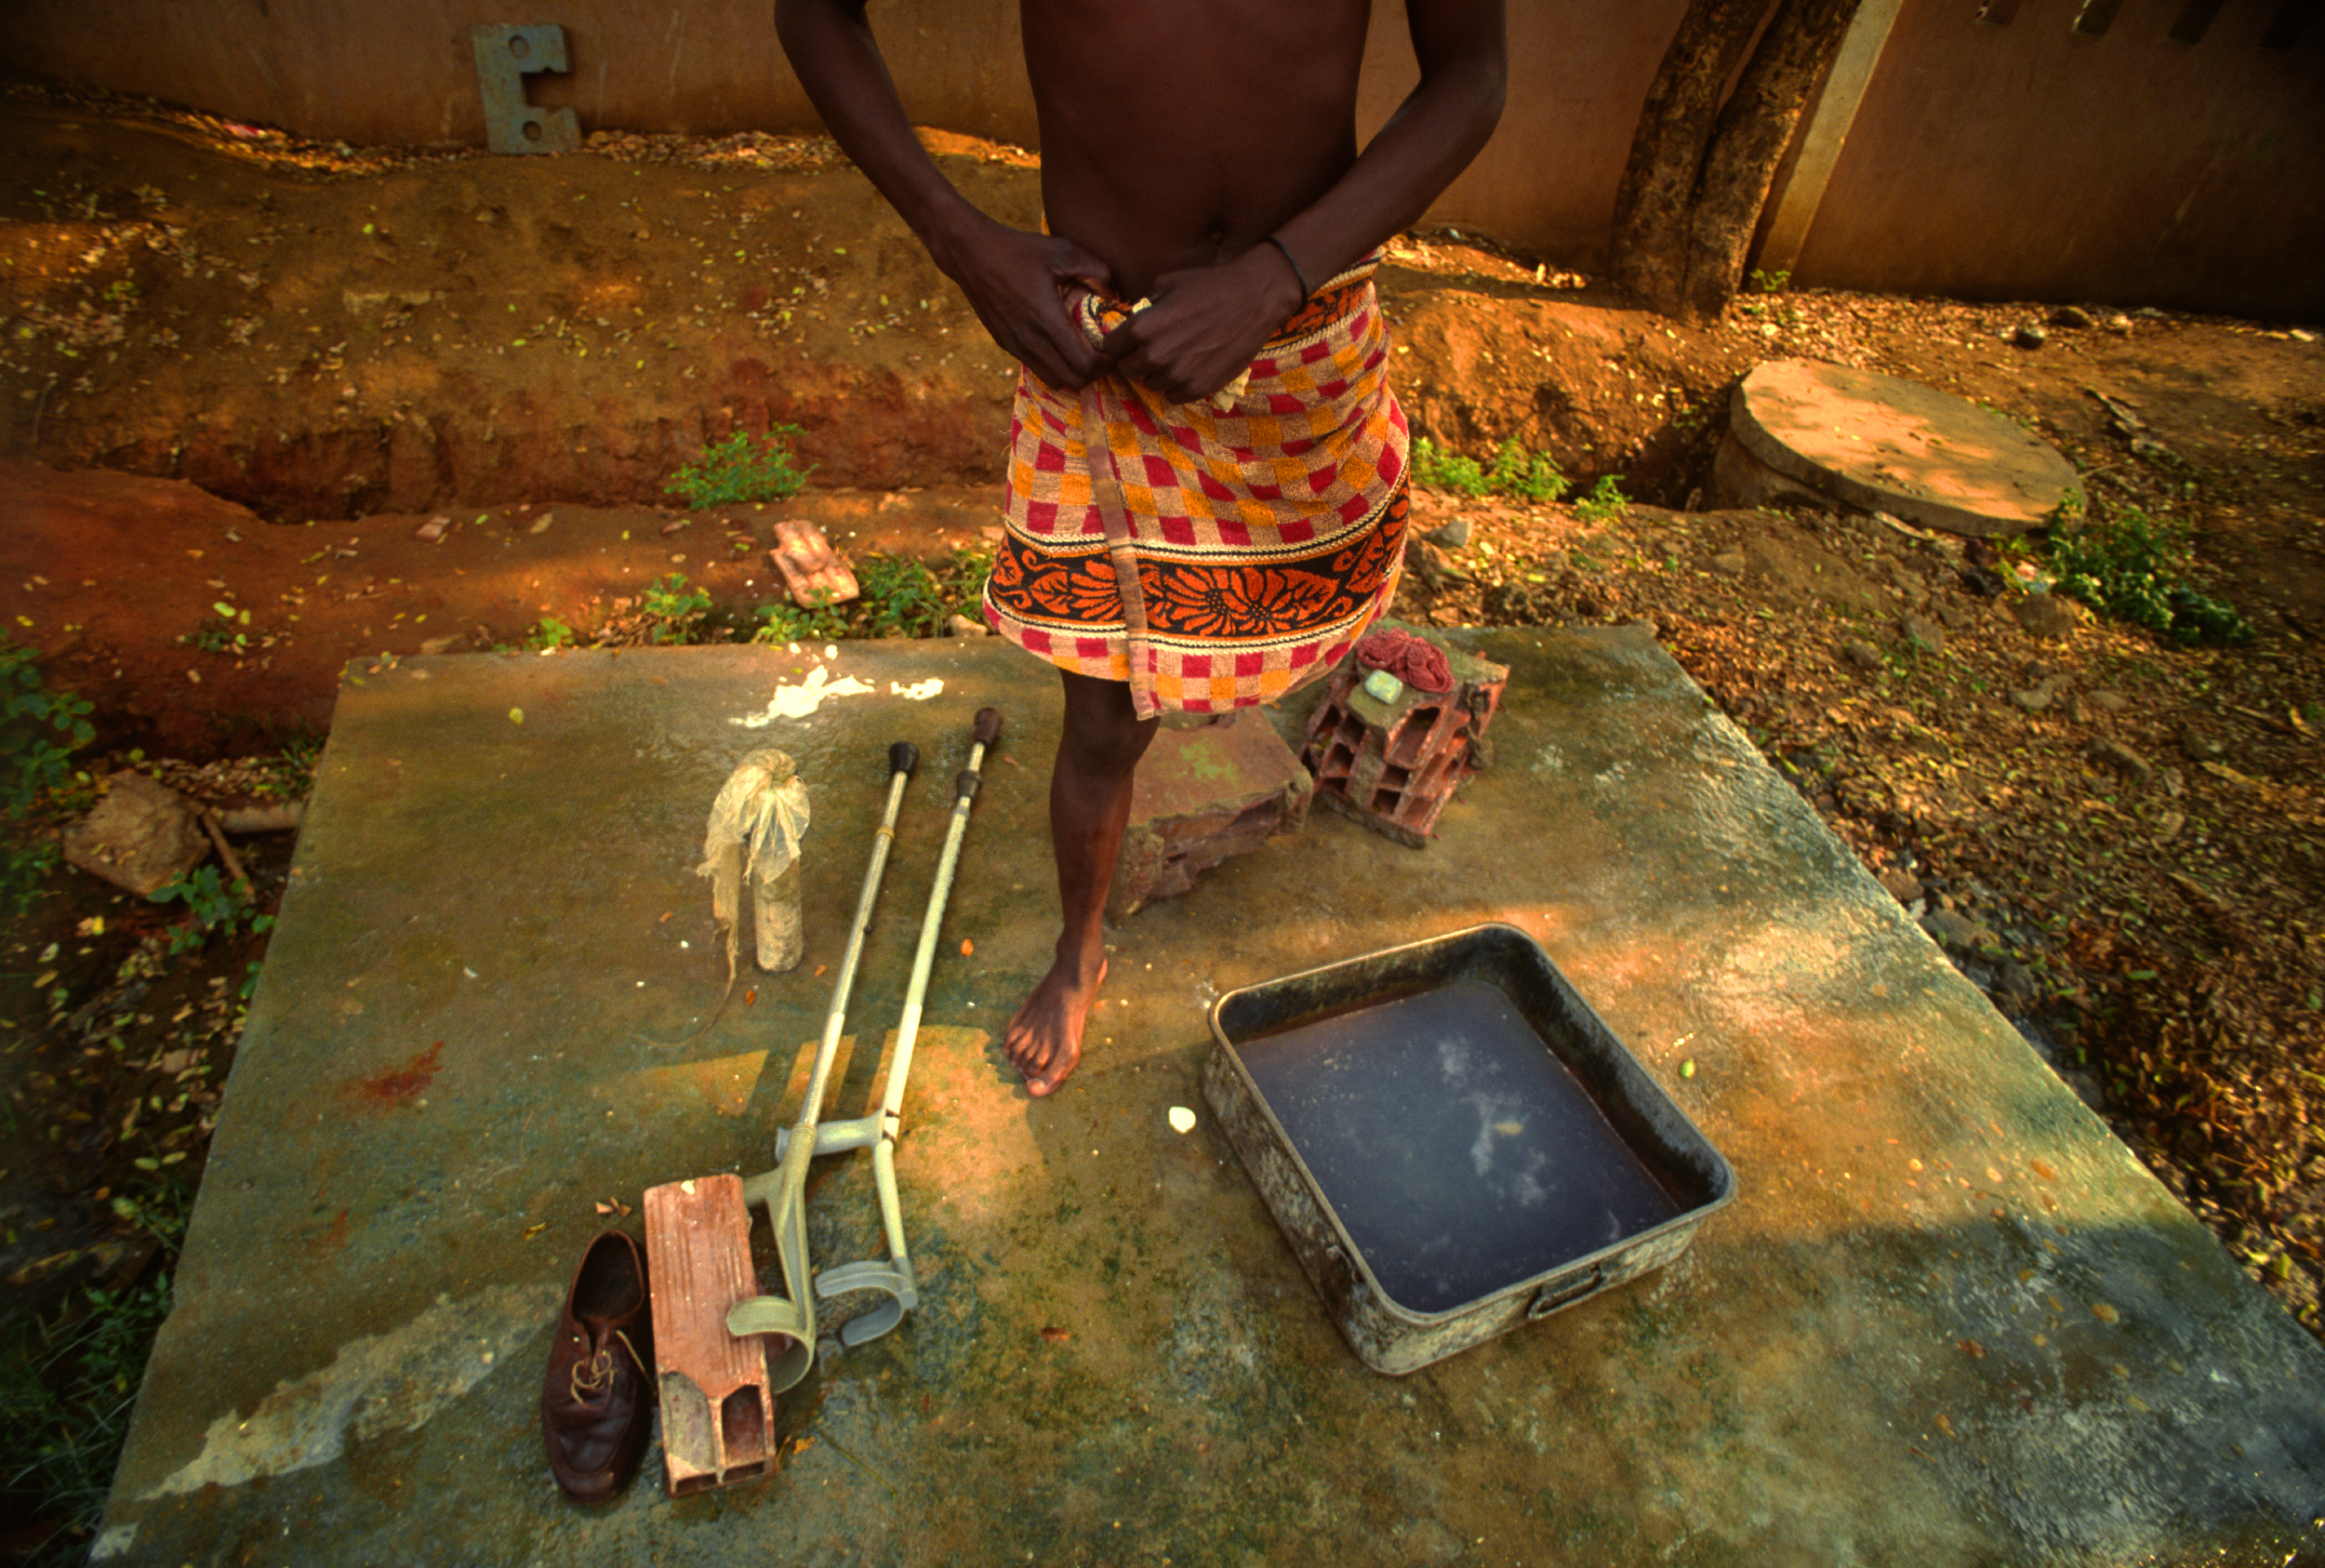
1381 687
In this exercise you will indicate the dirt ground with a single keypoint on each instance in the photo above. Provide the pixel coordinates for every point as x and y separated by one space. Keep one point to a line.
266 406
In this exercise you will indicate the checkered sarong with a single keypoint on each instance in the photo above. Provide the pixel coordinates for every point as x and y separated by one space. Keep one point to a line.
1212 557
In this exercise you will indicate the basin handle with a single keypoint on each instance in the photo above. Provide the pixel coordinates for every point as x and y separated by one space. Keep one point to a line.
1548 1300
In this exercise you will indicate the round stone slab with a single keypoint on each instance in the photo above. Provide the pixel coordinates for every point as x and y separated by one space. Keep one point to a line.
1893 446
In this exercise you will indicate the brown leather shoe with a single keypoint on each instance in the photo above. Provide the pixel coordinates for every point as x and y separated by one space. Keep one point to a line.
601 1372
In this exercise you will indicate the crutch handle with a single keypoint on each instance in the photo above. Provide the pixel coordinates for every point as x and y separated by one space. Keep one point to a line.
988 728
903 757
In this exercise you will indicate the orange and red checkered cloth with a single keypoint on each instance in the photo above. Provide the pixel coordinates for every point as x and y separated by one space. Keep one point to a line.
1212 557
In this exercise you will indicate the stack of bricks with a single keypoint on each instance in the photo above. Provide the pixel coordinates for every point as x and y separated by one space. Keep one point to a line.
1393 765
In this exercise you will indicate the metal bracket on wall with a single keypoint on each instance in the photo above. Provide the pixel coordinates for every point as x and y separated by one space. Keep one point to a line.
504 55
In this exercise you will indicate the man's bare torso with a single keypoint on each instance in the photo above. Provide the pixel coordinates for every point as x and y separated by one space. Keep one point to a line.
1179 133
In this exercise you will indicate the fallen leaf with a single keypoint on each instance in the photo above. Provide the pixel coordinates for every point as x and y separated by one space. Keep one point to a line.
533 1230
967 947
1056 1335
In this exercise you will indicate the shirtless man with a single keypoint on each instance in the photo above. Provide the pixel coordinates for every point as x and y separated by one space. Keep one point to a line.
1198 154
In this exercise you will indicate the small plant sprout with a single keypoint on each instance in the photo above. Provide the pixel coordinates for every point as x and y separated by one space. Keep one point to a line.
1434 470
1526 476
1606 502
2134 567
226 629
1529 476
741 470
217 907
674 609
904 597
39 732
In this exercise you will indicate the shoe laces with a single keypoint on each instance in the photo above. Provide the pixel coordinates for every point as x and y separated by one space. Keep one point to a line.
596 1375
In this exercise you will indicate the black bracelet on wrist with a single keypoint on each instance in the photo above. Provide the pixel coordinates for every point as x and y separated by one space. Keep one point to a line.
1289 261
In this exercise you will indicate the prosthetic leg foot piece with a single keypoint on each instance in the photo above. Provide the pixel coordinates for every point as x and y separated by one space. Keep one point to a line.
718 1407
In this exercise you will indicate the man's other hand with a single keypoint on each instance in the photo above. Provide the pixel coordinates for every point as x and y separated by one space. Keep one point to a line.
1014 282
1204 325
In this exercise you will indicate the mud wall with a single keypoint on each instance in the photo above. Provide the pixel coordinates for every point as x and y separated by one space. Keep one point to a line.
2026 160
2030 160
367 71
361 72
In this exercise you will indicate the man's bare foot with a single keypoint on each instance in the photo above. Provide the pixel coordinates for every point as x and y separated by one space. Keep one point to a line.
1044 1042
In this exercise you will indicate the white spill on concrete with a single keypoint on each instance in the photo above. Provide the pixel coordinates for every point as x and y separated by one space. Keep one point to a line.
390 1382
797 702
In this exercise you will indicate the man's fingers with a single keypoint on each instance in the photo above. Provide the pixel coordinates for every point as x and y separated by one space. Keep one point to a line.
1063 360
1071 261
1123 340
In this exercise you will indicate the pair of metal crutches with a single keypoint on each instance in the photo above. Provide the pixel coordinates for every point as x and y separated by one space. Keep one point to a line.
718 1407
783 1191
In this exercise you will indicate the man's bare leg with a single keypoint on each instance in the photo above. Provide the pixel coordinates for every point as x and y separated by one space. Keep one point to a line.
1089 806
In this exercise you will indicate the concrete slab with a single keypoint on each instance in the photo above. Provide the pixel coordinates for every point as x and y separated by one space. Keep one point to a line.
1949 1320
1886 445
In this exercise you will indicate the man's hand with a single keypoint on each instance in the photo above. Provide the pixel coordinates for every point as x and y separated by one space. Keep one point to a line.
1205 324
1014 282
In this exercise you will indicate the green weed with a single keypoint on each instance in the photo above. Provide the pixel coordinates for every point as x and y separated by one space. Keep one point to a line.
963 576
550 632
39 732
1770 283
1433 470
901 597
1530 477
66 1388
674 609
1606 502
218 908
741 469
789 623
2134 567
225 630
290 773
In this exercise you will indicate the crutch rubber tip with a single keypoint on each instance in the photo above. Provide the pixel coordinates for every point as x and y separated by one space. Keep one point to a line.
903 757
988 728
